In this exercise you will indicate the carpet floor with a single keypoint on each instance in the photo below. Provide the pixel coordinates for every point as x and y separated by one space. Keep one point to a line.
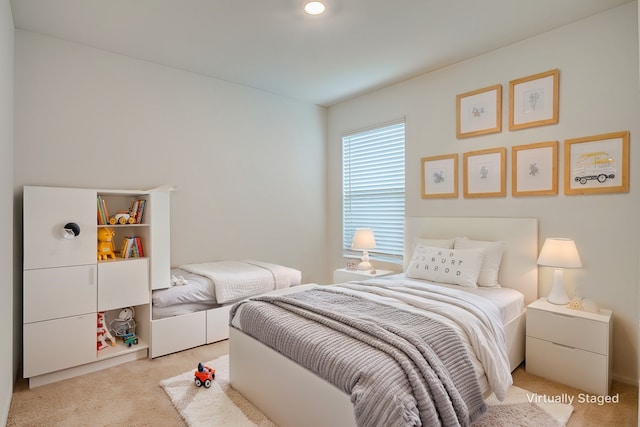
220 405
130 395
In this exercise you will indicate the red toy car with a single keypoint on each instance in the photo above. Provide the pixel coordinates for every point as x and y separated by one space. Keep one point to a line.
204 375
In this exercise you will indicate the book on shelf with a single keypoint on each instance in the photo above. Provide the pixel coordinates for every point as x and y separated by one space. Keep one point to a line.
102 218
103 212
131 247
137 209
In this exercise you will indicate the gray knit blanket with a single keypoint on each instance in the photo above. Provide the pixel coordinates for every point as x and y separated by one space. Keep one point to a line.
400 368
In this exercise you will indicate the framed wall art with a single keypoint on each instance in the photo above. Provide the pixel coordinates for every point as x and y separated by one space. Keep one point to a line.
479 112
534 169
533 100
484 173
440 176
597 164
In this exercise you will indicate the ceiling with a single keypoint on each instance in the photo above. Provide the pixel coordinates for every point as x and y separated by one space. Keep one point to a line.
355 47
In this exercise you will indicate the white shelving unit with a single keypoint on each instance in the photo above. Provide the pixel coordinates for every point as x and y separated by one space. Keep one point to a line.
65 285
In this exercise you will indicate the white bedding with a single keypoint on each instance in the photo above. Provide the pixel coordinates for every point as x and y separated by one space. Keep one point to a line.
453 306
197 290
221 282
509 301
484 338
234 280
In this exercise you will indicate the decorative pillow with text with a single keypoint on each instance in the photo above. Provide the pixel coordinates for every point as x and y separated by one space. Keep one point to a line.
452 266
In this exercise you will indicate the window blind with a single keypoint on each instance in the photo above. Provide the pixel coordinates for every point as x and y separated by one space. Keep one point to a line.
373 168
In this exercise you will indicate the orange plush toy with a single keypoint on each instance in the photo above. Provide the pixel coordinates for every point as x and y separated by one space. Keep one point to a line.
105 244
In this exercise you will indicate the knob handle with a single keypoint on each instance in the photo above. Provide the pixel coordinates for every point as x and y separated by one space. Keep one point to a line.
71 230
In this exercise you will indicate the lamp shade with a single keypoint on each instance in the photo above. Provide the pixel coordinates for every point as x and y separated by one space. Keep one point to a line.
363 239
560 253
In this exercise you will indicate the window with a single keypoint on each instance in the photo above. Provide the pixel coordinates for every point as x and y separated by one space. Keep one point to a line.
373 189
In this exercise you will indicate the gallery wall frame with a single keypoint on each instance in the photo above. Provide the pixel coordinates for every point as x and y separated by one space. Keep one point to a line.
439 176
597 164
534 100
534 169
484 173
479 112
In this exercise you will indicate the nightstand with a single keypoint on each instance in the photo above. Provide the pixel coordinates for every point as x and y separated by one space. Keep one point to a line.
342 275
569 346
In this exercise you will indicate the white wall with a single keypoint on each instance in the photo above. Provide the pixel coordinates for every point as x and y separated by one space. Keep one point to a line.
8 367
599 93
250 165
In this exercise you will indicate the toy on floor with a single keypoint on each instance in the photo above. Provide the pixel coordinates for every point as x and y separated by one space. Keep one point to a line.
204 375
105 244
103 332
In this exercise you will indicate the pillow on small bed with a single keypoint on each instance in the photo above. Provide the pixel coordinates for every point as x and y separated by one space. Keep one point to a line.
435 243
442 265
492 258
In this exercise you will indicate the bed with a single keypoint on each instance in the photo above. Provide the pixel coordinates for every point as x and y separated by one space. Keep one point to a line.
291 395
194 308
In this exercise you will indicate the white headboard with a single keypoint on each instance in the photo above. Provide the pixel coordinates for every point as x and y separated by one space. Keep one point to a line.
518 270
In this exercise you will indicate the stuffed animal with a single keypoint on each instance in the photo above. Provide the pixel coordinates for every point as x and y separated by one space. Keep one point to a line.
105 244
103 332
575 304
178 281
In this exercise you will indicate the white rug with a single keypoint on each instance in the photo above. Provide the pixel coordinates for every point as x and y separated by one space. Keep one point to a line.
221 405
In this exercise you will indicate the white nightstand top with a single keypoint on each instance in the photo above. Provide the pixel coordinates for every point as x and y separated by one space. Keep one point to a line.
603 315
367 274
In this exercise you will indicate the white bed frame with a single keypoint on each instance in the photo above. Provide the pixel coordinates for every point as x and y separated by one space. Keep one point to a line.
291 395
177 333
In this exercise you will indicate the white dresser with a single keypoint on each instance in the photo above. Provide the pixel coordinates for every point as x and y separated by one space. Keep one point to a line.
569 346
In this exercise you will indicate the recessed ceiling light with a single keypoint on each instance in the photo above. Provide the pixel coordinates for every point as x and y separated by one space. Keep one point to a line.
314 8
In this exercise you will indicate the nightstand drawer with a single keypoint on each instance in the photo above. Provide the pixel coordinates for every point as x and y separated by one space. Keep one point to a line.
578 368
570 331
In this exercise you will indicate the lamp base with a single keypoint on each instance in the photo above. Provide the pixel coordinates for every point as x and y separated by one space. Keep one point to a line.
558 295
365 266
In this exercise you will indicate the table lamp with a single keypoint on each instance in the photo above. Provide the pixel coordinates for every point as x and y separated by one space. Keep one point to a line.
364 239
559 253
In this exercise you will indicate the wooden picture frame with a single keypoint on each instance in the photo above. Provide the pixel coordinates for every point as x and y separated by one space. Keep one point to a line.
533 100
439 176
484 173
597 164
534 169
479 112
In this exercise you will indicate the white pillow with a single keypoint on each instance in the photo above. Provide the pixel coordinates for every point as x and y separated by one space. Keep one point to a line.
442 265
434 243
492 258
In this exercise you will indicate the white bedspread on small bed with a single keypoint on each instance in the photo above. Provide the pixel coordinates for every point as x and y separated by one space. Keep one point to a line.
234 280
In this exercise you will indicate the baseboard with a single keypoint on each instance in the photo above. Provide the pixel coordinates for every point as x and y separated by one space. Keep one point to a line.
76 371
626 380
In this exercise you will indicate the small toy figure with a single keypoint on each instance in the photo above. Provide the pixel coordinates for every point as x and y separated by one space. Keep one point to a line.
103 333
105 244
122 218
204 375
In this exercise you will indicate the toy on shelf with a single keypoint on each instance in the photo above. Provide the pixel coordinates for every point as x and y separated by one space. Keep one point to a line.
204 375
129 339
122 218
103 333
105 244
124 326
